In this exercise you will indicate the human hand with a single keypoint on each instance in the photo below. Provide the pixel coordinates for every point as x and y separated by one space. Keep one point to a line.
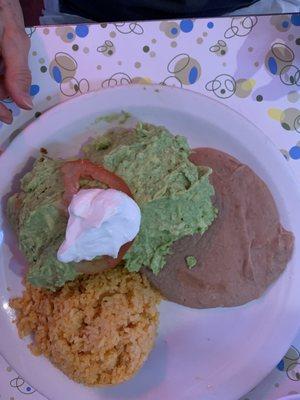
15 76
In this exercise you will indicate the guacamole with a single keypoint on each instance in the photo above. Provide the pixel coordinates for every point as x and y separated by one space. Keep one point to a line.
174 196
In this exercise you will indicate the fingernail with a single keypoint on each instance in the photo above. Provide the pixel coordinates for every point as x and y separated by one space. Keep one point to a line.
27 101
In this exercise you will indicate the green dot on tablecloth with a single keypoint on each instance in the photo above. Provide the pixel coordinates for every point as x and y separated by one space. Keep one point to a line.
75 47
43 69
146 49
259 98
293 96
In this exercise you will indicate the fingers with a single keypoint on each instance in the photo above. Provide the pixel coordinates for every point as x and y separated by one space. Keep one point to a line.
5 114
15 49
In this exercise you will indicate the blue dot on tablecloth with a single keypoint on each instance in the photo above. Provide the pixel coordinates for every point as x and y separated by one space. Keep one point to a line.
70 35
28 389
210 25
193 75
82 30
280 365
56 74
174 31
295 19
285 24
295 152
272 65
186 25
34 89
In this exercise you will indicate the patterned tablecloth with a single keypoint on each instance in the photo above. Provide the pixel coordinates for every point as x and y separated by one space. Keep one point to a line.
250 63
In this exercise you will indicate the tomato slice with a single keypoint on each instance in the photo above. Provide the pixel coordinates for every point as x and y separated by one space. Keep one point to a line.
72 172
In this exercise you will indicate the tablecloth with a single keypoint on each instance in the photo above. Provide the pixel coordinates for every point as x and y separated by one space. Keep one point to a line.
250 63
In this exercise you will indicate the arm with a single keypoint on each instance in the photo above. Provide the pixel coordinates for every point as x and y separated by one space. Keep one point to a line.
15 79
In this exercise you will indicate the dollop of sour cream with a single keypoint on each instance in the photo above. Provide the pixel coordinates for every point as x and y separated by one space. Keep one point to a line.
100 222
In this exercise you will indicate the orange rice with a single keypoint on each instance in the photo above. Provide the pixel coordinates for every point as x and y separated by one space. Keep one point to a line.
98 329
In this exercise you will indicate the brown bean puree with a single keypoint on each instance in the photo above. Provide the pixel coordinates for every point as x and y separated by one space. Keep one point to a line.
243 251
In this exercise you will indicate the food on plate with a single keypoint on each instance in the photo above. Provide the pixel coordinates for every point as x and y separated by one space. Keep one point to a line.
242 252
98 329
147 162
139 217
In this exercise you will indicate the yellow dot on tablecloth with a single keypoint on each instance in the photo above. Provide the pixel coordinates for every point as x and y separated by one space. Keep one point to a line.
34 53
48 98
46 31
173 44
112 34
137 64
153 41
256 64
152 54
86 50
204 34
42 61
8 369
99 67
199 40
250 49
248 84
275 113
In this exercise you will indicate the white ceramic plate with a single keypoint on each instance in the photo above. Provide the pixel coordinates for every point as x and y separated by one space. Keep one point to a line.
216 354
